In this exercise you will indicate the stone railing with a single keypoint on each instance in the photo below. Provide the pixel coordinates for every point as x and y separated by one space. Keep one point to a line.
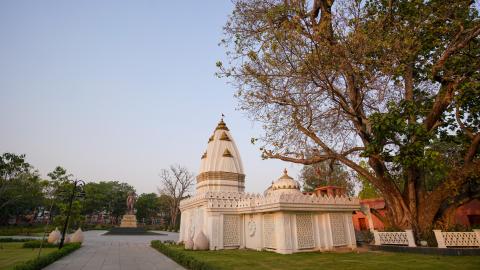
457 239
394 238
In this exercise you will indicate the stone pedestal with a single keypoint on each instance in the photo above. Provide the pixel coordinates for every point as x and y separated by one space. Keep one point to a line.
129 221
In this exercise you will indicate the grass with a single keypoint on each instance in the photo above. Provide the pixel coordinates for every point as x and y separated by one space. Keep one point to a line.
248 259
12 254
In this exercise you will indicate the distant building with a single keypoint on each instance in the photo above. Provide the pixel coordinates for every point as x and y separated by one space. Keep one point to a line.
282 219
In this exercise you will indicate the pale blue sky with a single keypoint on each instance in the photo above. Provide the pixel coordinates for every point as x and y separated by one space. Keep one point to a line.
117 90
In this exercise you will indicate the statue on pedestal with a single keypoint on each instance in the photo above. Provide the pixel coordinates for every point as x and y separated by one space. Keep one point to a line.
129 220
131 202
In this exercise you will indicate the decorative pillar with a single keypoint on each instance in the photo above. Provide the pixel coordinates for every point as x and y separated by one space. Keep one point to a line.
283 233
410 238
328 232
216 231
182 227
477 233
365 208
439 237
376 237
350 231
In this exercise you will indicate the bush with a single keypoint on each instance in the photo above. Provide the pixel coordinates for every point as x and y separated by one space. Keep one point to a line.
7 240
37 243
42 261
181 257
365 236
24 230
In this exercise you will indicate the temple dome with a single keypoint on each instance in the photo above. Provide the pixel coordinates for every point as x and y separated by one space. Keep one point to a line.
221 163
285 184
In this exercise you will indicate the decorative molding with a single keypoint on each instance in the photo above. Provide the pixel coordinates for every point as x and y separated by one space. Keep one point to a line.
220 176
227 153
249 203
224 137
204 155
211 138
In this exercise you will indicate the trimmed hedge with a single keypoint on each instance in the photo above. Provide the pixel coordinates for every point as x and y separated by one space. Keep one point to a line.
181 257
24 230
37 243
10 240
42 261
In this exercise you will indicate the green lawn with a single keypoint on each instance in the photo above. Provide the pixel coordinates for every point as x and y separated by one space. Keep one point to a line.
13 253
253 260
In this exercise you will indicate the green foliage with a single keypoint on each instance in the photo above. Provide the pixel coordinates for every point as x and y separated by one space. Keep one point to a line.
20 187
147 205
180 257
9 240
37 244
108 196
43 261
24 230
368 191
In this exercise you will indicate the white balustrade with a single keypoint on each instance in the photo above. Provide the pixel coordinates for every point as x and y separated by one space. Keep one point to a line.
394 238
457 239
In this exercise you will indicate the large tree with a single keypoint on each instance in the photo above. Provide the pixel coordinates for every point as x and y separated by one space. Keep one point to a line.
148 206
21 189
395 83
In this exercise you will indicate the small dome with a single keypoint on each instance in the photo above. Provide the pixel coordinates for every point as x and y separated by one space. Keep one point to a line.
285 184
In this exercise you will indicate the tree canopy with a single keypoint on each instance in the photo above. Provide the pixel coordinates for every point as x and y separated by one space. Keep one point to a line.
394 83
326 174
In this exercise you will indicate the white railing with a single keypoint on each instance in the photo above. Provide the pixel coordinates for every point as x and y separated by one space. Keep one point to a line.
394 238
457 239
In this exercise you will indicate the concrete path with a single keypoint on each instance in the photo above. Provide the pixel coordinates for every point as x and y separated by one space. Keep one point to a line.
105 252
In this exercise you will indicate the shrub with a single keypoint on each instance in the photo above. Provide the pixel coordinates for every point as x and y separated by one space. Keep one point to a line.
24 230
7 240
181 257
42 261
37 243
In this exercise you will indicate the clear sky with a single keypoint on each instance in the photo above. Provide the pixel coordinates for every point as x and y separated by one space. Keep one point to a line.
118 90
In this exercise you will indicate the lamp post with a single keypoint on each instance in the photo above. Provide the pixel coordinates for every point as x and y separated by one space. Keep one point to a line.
76 184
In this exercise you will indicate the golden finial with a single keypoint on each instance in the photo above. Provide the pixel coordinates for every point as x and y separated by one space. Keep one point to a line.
221 125
285 175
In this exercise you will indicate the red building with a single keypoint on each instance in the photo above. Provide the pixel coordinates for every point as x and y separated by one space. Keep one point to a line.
467 215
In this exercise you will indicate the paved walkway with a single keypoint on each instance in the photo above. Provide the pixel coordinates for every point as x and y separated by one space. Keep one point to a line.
105 252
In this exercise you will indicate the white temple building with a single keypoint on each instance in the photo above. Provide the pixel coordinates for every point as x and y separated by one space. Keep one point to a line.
282 220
